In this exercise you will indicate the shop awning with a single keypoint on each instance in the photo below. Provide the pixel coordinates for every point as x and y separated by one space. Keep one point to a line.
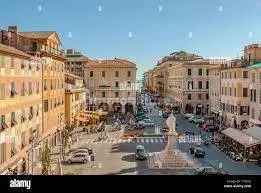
254 132
241 137
255 66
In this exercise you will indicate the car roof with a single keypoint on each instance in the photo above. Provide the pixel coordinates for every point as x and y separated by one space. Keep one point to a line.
139 147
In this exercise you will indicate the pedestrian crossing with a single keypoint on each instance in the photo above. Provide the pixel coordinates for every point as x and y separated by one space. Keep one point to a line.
139 140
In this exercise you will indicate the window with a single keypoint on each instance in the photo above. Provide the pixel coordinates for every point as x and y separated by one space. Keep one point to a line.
189 96
31 111
207 72
129 73
260 96
200 72
2 62
200 85
103 74
235 92
199 96
23 116
13 149
37 87
252 113
103 94
2 153
190 85
12 63
116 84
245 92
189 72
230 91
13 119
254 95
230 75
128 94
2 91
235 74
207 84
3 124
253 76
91 73
116 73
23 140
30 88
207 96
45 105
13 91
45 84
116 94
245 74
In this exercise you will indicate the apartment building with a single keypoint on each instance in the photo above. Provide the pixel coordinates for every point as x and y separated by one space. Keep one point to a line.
75 97
20 107
189 84
46 46
112 85
235 94
75 63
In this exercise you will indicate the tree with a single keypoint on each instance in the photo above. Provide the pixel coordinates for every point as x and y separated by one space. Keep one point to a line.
46 159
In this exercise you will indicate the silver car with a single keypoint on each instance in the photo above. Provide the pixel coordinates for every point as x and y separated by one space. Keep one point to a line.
78 158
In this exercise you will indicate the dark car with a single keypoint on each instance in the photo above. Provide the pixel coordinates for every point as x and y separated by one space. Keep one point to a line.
258 162
210 171
199 153
211 128
192 148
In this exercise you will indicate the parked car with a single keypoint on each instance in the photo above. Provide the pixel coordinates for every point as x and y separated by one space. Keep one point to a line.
146 123
141 153
78 158
206 142
197 120
191 119
188 115
209 171
199 152
192 148
211 128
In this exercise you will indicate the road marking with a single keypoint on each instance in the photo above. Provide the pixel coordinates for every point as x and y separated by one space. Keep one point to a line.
156 140
151 140
147 141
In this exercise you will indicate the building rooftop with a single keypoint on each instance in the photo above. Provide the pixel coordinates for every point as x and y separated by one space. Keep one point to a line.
8 49
37 34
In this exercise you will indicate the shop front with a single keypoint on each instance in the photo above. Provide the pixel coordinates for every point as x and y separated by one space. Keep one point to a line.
242 143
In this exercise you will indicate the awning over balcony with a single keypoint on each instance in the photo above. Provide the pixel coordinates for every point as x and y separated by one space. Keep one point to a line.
255 66
241 137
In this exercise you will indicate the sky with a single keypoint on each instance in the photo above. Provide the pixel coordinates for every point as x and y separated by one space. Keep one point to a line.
142 31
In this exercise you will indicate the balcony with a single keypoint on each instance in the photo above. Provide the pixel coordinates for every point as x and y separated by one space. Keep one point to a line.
13 123
30 117
3 126
23 118
13 93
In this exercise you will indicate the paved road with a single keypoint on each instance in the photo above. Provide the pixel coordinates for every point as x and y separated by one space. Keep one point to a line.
214 156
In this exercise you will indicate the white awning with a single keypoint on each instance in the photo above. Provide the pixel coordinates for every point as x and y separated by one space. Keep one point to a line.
241 137
254 132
